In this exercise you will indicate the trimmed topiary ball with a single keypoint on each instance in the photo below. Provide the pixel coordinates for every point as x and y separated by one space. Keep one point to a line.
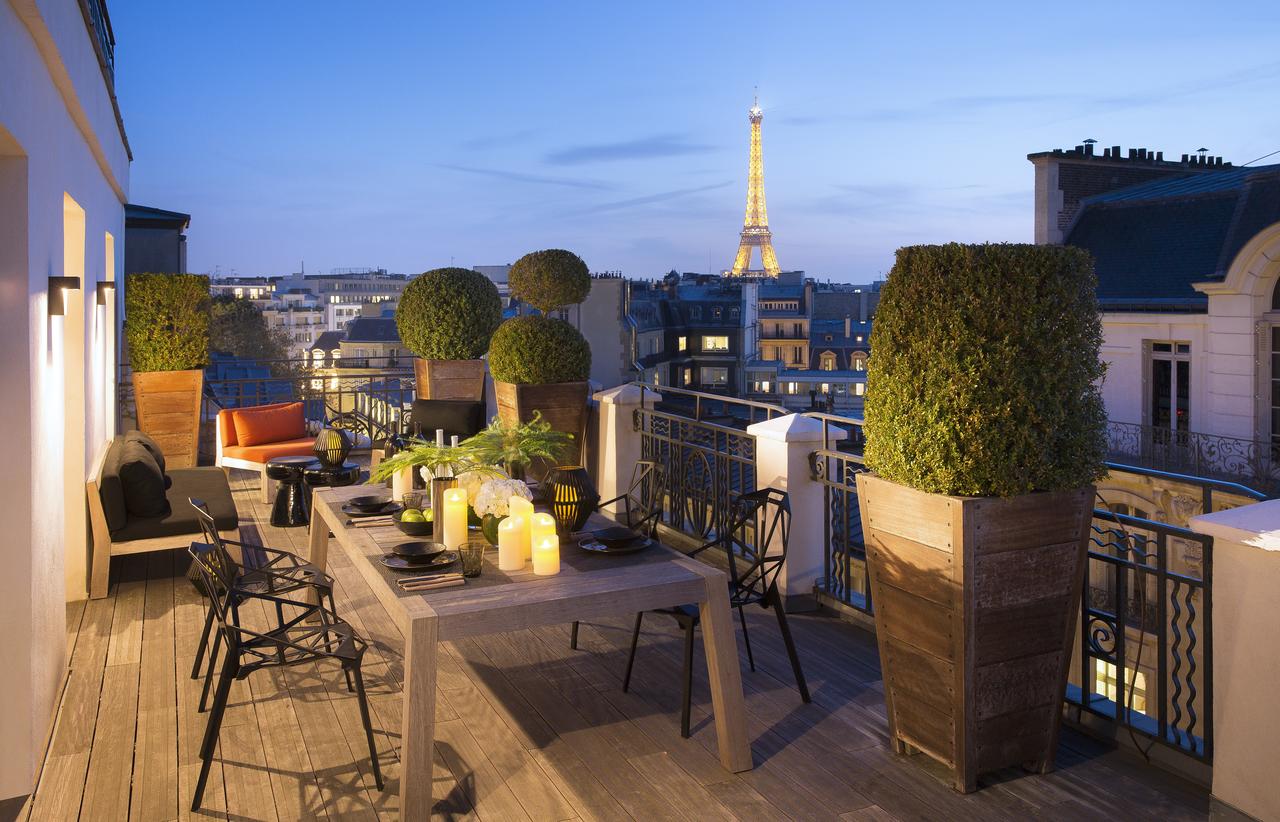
984 372
550 279
539 350
449 314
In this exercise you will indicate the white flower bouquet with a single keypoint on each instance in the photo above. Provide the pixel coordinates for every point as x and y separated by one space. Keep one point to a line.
493 497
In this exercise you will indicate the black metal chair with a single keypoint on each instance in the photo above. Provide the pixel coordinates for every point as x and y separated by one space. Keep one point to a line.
311 633
275 572
641 507
760 519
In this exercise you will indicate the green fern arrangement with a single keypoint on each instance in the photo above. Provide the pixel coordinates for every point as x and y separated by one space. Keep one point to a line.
515 446
419 453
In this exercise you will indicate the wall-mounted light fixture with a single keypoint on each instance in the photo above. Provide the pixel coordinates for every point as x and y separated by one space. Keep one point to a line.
106 291
57 301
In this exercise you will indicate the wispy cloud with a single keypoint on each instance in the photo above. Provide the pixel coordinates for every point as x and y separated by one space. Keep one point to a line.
659 145
660 197
534 179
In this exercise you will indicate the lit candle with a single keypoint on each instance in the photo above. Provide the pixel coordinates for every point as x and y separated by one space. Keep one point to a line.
541 526
455 517
546 556
513 537
518 506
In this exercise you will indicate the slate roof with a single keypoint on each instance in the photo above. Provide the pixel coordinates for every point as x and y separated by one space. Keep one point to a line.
140 216
1150 242
373 329
834 305
327 341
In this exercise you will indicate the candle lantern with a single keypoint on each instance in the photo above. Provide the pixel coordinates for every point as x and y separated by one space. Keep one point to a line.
571 496
332 446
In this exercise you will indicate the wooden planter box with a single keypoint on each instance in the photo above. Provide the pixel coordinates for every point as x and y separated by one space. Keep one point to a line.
168 406
449 379
976 602
563 405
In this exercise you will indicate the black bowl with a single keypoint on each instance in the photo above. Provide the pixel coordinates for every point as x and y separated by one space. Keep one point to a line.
368 504
418 551
414 529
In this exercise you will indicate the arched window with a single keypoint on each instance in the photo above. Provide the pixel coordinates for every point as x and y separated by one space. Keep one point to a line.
859 362
828 361
1275 297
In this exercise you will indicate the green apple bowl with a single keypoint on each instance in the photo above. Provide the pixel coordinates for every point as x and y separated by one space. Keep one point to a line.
414 527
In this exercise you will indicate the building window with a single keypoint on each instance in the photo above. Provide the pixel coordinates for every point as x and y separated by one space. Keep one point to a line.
826 338
860 389
686 376
715 313
828 361
797 356
733 313
798 328
1170 399
858 338
695 313
682 343
715 343
793 388
714 377
859 363
1106 678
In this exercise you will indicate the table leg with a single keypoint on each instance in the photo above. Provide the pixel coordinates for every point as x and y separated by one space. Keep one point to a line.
417 734
317 548
725 676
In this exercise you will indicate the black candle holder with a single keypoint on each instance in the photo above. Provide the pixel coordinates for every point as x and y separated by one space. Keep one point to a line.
332 446
572 497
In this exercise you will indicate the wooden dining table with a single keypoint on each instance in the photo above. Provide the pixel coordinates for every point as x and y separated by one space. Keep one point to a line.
588 586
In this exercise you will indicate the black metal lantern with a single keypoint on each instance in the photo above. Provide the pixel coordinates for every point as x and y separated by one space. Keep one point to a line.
332 447
572 497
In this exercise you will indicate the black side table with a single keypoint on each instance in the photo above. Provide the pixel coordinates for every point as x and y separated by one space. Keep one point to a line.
335 476
291 508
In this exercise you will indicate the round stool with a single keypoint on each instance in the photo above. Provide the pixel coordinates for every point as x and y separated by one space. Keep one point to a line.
331 476
290 509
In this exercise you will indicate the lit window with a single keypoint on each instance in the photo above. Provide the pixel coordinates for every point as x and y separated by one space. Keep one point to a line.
682 343
718 343
1105 674
858 338
859 363
686 376
860 388
826 386
714 377
828 362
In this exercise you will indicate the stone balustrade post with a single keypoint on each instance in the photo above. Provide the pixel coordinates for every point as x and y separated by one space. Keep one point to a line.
783 446
1246 658
618 442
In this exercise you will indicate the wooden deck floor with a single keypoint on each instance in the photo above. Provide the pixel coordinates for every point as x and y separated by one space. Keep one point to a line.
526 728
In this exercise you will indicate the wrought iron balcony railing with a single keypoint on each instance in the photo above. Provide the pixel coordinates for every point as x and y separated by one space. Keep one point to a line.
1255 463
99 23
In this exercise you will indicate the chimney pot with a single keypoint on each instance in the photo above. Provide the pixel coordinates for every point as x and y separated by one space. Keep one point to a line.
1115 152
1080 149
1159 156
848 326
1133 154
1106 152
1184 159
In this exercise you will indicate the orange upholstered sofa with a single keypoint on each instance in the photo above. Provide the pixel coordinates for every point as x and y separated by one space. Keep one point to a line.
248 437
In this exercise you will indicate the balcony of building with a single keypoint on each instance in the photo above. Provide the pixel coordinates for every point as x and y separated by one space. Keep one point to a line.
527 727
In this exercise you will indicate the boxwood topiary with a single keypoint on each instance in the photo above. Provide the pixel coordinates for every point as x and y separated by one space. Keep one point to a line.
550 279
539 350
449 314
166 321
984 372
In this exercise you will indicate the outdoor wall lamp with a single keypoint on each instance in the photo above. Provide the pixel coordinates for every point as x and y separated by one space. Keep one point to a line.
105 288
57 299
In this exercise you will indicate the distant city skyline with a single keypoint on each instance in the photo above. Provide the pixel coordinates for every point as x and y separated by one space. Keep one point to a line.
407 135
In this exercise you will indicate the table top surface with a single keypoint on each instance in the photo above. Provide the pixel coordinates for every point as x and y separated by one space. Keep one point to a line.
586 580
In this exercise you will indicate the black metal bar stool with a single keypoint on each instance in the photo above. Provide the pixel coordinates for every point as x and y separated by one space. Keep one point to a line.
290 509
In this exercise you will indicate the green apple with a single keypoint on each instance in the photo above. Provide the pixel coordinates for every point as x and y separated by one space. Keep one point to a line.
412 515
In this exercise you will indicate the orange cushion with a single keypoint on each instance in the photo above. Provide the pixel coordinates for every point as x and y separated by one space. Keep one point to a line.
262 453
227 427
268 424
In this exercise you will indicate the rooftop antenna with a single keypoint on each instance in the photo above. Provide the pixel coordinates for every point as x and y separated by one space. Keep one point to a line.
1202 151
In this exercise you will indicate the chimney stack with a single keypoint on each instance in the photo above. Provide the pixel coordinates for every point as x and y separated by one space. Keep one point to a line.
848 326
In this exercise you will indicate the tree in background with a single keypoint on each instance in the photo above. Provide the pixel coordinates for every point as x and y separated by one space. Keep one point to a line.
240 329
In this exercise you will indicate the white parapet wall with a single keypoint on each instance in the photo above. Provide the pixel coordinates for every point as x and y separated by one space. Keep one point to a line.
1246 656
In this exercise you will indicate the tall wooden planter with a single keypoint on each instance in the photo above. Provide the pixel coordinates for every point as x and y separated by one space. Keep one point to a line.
449 379
975 603
563 405
168 404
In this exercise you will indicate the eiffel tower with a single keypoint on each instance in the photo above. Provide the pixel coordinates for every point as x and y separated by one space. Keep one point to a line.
755 227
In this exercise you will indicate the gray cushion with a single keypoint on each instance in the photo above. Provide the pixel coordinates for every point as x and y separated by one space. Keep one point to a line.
111 490
142 480
208 484
152 447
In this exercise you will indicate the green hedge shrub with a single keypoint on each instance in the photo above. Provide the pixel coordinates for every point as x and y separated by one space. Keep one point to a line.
984 372
539 350
166 321
550 279
449 314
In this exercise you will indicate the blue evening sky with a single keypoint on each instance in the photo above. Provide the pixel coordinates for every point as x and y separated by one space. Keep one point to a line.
409 135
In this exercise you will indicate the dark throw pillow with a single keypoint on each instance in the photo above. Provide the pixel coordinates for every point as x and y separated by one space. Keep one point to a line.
154 448
143 483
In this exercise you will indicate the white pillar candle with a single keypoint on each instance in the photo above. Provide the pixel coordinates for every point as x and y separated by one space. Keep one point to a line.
518 506
513 536
541 526
546 556
455 517
401 483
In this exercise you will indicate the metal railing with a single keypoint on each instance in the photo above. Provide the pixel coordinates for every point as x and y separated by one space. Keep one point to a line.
371 401
701 406
1256 463
706 465
95 12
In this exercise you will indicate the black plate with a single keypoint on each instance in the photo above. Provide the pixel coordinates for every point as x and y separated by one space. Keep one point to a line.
591 546
391 507
617 536
418 550
369 502
439 562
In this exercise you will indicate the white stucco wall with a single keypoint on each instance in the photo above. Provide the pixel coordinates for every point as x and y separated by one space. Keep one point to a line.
1123 351
58 138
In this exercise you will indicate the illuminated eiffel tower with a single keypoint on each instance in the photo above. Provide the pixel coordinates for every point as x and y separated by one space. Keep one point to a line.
755 227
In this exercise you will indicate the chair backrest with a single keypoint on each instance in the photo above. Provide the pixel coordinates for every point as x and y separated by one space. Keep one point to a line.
209 529
218 580
647 495
761 520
